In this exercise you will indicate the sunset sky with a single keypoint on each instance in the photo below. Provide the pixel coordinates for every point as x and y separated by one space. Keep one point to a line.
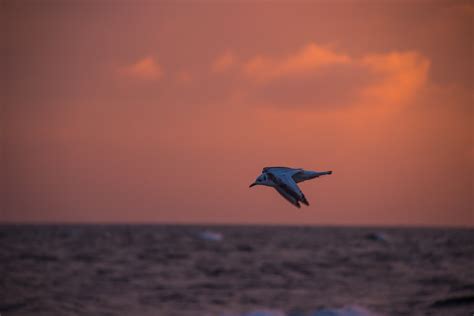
165 112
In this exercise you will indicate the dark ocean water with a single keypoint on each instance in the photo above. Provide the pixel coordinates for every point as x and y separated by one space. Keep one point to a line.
235 270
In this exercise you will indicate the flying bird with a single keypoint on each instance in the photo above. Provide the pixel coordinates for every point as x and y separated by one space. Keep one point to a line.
285 180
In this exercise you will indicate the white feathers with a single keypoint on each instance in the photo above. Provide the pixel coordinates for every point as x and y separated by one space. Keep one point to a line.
284 180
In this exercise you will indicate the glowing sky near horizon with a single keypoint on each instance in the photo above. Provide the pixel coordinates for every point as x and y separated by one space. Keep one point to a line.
166 112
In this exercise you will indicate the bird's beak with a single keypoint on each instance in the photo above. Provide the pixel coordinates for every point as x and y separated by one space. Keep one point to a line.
252 185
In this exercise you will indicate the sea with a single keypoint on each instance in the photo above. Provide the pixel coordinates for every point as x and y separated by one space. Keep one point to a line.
169 270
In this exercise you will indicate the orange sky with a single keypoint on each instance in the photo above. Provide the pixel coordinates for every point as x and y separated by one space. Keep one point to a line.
150 112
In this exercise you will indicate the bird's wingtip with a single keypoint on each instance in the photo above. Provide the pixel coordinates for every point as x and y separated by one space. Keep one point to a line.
304 200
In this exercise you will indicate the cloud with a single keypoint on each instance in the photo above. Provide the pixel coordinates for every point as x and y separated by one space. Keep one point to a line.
145 69
318 77
309 59
402 75
328 88
224 62
314 77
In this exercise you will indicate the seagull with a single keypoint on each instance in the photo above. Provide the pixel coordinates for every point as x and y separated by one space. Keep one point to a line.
285 180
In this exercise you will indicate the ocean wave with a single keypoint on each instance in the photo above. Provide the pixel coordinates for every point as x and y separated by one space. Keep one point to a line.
343 311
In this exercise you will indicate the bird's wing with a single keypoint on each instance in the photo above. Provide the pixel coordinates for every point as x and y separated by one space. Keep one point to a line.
278 170
284 180
288 197
304 175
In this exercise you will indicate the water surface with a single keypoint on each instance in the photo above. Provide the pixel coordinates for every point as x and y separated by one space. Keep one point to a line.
258 270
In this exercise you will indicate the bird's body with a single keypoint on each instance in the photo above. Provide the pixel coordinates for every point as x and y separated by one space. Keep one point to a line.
285 180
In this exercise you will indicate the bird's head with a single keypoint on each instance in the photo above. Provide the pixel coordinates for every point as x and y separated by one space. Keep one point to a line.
262 180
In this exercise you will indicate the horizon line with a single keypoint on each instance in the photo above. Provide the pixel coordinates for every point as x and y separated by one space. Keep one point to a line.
178 223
